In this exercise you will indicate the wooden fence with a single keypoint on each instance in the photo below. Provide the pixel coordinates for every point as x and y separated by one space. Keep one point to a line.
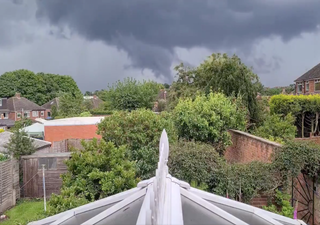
9 184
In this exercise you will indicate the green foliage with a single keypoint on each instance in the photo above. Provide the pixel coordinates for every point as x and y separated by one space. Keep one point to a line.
296 156
3 157
246 181
19 144
21 124
70 105
140 130
208 118
85 114
277 128
88 104
162 104
219 73
1 130
97 171
282 201
131 94
277 90
195 163
306 109
39 88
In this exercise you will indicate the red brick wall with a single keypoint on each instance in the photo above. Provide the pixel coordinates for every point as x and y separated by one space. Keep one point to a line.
315 139
12 116
59 133
246 148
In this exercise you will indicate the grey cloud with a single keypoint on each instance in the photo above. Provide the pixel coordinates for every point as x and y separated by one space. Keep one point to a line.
149 30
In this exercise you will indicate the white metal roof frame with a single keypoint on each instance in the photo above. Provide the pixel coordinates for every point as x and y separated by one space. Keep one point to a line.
164 199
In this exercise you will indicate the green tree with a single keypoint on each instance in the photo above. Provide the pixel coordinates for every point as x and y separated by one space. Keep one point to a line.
140 131
97 171
208 118
21 124
39 88
70 105
277 128
20 144
219 73
1 130
131 94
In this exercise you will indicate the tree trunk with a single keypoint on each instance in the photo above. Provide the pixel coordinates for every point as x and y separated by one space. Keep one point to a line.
317 121
302 126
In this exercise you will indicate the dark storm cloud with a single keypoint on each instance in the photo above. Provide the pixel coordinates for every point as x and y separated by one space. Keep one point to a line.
150 29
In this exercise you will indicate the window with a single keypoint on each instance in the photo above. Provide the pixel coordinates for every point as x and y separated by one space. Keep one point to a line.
35 113
26 114
42 113
50 163
317 85
5 115
18 115
49 114
307 86
299 87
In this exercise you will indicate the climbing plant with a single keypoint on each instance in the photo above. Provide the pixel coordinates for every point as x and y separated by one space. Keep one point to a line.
305 108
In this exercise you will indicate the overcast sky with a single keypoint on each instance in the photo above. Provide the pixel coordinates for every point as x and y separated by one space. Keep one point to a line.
100 41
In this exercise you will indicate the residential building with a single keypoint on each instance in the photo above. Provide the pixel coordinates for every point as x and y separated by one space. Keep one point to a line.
17 108
309 83
48 106
71 128
94 100
6 124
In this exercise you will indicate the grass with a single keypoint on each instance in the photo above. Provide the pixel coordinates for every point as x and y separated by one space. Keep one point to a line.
24 212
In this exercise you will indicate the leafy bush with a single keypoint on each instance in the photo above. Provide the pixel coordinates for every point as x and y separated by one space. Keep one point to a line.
131 94
85 114
140 130
246 181
21 124
208 118
195 163
282 201
20 144
1 130
3 157
277 128
97 171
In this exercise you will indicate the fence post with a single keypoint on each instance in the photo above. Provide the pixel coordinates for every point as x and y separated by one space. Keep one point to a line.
44 188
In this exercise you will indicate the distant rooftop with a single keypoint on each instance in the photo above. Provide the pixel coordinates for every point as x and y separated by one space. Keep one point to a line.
74 121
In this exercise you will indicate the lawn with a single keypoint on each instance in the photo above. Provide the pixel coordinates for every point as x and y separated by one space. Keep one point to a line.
24 212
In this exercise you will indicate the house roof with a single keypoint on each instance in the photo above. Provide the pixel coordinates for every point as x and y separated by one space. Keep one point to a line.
74 121
4 105
20 103
53 102
164 199
96 102
314 73
7 122
5 137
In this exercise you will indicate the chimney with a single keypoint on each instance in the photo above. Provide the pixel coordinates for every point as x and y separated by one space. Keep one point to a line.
18 95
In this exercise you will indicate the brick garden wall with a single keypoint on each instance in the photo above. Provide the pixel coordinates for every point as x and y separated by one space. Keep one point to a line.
246 148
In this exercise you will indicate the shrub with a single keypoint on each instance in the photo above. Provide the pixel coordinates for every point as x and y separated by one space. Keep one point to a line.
140 130
195 163
20 144
1 130
277 128
97 171
282 201
3 157
208 118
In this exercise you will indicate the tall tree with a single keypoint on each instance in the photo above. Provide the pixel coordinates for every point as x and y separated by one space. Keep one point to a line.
39 88
219 73
131 94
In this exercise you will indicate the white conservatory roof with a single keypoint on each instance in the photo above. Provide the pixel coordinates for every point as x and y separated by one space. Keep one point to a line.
164 199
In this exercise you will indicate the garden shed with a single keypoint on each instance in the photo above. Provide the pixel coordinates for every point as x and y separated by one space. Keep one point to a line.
32 173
